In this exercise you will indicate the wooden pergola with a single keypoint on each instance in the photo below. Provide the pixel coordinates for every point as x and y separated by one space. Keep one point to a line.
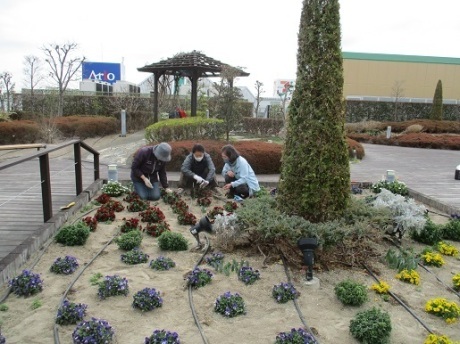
193 65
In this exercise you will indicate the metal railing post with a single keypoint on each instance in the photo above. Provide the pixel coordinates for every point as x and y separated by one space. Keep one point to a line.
46 187
96 166
78 173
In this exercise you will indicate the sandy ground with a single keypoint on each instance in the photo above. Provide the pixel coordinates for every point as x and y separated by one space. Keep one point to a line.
263 321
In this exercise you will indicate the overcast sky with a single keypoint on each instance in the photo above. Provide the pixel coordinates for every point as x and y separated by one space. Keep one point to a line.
260 35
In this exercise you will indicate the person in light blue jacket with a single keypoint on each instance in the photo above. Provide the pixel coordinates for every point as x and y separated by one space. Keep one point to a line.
239 176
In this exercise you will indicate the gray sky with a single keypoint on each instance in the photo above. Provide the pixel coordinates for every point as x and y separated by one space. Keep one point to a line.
260 35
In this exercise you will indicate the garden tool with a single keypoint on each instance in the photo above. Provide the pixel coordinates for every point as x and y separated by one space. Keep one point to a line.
203 225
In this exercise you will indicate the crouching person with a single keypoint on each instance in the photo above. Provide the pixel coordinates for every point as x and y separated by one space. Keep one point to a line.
198 169
148 171
240 179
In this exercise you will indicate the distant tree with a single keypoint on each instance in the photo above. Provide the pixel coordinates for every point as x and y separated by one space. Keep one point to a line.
259 90
436 112
315 173
227 97
64 67
33 75
397 92
285 95
6 80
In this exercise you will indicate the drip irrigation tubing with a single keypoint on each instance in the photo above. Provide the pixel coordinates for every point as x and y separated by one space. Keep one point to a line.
190 296
452 290
399 301
39 257
296 304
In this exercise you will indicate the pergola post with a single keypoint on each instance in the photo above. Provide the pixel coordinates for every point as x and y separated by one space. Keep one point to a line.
194 80
156 77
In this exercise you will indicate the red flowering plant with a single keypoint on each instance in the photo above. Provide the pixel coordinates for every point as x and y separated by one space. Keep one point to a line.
180 207
129 225
156 229
137 205
151 215
103 198
169 198
115 206
186 218
104 214
204 201
202 193
132 196
214 212
91 222
230 206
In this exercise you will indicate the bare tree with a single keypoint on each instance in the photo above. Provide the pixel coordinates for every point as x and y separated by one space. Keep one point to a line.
63 65
259 90
397 92
7 82
33 75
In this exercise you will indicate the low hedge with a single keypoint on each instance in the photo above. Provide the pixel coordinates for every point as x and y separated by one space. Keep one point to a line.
16 132
429 126
416 140
190 128
262 126
86 126
264 157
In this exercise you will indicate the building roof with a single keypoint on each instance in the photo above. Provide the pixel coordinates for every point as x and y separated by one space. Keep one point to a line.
400 58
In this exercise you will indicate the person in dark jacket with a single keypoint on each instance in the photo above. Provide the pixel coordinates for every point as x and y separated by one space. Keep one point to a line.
198 169
148 171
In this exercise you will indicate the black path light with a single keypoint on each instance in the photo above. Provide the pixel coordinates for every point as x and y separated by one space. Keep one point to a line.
308 246
204 225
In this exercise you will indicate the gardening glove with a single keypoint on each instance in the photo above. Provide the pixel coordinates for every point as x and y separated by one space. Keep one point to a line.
198 179
147 183
168 190
204 184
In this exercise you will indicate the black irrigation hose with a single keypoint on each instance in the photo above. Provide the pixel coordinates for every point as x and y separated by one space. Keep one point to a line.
55 329
190 296
39 257
399 301
296 304
452 290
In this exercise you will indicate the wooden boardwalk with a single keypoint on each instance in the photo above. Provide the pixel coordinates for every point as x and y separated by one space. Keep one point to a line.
21 209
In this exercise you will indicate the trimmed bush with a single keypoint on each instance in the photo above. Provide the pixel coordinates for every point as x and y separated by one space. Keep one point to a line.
371 326
16 132
73 235
191 128
86 126
262 126
172 241
351 293
129 241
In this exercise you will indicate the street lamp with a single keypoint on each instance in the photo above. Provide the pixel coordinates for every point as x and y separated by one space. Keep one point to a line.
308 246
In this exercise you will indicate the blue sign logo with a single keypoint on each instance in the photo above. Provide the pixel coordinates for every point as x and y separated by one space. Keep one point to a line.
101 71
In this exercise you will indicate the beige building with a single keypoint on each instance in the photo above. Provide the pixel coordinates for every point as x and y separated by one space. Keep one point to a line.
385 75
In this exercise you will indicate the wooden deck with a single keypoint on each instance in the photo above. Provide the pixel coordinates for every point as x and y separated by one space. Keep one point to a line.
21 209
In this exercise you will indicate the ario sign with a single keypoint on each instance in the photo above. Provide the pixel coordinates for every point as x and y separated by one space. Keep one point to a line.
101 71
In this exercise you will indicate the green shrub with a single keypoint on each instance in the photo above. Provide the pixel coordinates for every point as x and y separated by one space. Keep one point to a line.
404 260
172 241
351 293
430 234
262 126
451 230
129 241
190 128
371 326
73 235
86 126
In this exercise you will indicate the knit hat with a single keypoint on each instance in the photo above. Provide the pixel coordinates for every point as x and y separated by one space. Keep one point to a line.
162 152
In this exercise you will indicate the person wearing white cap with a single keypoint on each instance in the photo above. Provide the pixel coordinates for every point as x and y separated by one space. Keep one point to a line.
148 170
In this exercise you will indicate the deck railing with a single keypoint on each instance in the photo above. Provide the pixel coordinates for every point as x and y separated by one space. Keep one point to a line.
45 176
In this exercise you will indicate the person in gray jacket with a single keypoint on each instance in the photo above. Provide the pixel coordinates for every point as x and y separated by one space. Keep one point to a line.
198 169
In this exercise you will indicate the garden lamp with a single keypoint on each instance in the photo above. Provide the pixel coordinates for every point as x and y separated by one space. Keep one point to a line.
308 246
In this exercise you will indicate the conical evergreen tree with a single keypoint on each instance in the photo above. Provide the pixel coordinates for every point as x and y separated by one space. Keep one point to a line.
436 111
315 174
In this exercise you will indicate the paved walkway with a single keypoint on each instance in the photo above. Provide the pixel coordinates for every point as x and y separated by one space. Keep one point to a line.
429 173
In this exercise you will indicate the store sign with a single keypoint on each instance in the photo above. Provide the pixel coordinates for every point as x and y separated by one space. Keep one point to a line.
101 71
